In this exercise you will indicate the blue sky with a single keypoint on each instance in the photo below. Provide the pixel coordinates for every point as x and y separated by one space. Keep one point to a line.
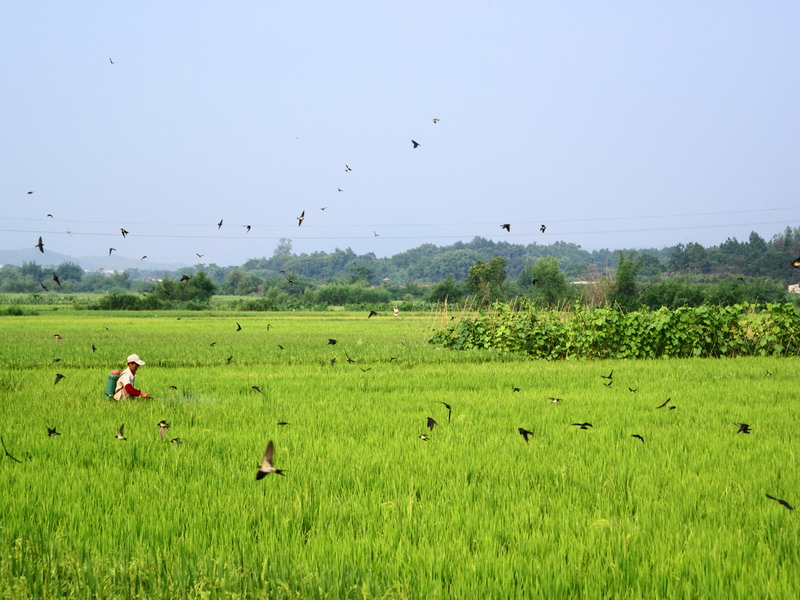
616 124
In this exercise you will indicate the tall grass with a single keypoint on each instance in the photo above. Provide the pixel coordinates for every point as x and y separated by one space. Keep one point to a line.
366 509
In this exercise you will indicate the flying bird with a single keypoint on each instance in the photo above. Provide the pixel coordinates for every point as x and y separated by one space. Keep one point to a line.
145 256
542 228
247 227
176 441
198 255
372 313
266 463
256 388
609 384
516 389
664 403
795 262
340 189
59 377
281 423
162 426
743 428
56 279
58 338
281 347
424 437
349 360
778 500
185 278
40 245
447 406
609 376
52 431
50 215
347 169
55 360
331 342
111 61
44 287
506 226
321 208
302 217
238 327
435 120
94 348
121 433
375 233
123 231
431 423
555 400
4 444
29 193
365 370
583 425
638 437
173 387
110 250
524 433
333 361
219 225
416 144
229 359
633 390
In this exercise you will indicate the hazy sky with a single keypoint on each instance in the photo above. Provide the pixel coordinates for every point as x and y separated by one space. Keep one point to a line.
616 124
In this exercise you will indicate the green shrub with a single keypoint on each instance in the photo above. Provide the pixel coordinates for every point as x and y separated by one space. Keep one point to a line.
703 331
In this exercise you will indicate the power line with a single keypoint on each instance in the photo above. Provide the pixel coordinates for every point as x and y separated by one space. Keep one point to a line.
548 221
252 237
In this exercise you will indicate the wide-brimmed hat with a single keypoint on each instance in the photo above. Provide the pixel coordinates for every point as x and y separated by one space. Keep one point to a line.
134 358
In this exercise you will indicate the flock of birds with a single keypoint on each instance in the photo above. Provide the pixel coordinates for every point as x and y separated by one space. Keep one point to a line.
247 228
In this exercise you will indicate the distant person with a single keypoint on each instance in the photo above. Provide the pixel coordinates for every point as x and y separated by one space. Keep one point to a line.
395 311
125 389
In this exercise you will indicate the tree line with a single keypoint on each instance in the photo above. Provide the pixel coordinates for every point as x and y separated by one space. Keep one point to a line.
479 271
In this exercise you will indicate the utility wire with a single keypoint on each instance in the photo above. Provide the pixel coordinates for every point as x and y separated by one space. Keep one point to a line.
531 234
548 221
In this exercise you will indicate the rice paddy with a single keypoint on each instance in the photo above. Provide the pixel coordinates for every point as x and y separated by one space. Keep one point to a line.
366 509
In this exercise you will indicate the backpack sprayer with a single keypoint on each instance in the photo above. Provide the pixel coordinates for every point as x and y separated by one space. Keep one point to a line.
111 383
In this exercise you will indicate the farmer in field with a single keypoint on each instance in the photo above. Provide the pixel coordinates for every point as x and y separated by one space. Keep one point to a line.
125 389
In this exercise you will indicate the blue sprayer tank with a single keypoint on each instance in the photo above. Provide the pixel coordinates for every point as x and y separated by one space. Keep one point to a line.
111 383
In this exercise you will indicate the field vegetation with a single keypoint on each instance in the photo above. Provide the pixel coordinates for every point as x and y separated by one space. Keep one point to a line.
367 509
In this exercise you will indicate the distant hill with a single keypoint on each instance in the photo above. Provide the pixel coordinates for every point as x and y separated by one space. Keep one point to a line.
90 263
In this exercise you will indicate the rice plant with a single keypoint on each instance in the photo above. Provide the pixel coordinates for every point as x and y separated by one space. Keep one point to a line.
365 507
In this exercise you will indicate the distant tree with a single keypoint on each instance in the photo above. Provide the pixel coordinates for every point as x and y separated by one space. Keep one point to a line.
33 270
284 247
673 293
544 282
359 273
69 271
485 280
625 292
249 284
198 288
447 290
120 280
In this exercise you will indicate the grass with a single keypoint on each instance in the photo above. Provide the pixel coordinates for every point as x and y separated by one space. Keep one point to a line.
366 509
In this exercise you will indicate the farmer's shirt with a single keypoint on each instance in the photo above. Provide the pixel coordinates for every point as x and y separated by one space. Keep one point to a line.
125 389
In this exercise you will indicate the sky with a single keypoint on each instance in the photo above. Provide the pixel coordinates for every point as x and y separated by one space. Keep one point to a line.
615 124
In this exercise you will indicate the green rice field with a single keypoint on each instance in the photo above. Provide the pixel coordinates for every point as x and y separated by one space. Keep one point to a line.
367 509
